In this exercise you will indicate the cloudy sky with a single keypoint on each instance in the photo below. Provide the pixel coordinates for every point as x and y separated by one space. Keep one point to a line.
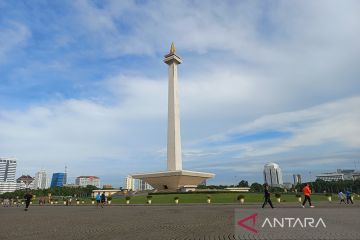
82 84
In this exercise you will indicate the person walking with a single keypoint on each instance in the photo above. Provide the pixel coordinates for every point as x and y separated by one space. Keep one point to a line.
341 197
307 193
103 199
98 199
28 196
6 202
267 197
348 197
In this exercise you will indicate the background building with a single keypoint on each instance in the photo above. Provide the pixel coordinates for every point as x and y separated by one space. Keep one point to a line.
288 185
297 179
143 186
58 179
7 174
273 175
107 186
348 174
83 181
129 183
41 180
24 182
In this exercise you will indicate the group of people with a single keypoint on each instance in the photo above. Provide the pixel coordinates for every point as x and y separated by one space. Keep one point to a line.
347 195
100 199
307 193
11 202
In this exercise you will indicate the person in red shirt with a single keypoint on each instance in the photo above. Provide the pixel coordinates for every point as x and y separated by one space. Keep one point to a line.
307 192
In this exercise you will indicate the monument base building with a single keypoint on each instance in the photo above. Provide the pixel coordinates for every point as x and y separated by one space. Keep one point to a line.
182 180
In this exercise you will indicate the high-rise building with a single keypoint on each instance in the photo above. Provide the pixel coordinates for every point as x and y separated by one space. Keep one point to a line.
129 183
273 175
297 179
7 174
83 181
41 180
58 179
24 182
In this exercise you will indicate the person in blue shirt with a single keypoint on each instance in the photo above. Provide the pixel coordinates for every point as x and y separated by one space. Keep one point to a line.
348 197
98 199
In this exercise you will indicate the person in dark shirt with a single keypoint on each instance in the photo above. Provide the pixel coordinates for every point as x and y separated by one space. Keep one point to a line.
103 199
348 197
28 196
267 197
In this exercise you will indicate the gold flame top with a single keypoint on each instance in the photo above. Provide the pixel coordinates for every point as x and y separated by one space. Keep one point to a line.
172 48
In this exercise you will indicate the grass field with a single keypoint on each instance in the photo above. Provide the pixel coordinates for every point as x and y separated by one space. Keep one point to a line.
215 198
202 198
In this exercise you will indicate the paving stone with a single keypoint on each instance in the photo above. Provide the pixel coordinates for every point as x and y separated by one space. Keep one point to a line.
192 221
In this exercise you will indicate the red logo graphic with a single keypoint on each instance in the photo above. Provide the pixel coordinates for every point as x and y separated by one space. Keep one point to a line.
241 222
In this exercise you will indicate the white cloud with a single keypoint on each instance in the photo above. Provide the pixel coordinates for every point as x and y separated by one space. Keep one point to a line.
13 35
315 136
248 67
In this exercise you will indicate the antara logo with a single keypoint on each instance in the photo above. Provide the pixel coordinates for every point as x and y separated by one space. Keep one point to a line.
287 222
293 222
241 222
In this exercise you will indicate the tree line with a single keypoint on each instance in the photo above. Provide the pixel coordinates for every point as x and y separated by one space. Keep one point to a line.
318 186
80 192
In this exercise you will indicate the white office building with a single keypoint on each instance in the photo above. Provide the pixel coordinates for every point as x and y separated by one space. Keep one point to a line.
41 180
7 174
273 175
83 181
129 183
297 179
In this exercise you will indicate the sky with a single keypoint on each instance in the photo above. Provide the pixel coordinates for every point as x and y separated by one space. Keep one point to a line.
83 85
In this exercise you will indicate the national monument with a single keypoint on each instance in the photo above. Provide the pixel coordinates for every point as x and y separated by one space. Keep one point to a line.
175 178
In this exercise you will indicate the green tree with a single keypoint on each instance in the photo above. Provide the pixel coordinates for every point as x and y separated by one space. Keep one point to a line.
243 183
256 187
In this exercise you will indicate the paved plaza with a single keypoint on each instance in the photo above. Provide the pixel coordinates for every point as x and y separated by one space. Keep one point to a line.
193 221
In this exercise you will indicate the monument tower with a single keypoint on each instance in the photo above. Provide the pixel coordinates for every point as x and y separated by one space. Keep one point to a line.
174 161
175 178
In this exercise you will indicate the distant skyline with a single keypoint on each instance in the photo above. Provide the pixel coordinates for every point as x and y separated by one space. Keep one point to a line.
83 85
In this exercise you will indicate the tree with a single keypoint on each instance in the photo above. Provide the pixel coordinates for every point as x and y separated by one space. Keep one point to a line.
256 187
243 183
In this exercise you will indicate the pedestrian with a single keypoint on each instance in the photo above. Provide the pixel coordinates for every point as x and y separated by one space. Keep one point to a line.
307 193
341 197
28 196
98 199
348 197
102 199
267 197
6 202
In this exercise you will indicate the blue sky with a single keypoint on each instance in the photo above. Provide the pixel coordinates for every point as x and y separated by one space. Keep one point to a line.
82 84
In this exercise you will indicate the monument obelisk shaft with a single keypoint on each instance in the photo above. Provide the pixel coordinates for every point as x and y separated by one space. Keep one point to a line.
174 161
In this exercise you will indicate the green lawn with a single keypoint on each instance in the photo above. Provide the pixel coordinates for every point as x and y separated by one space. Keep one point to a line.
215 198
202 198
